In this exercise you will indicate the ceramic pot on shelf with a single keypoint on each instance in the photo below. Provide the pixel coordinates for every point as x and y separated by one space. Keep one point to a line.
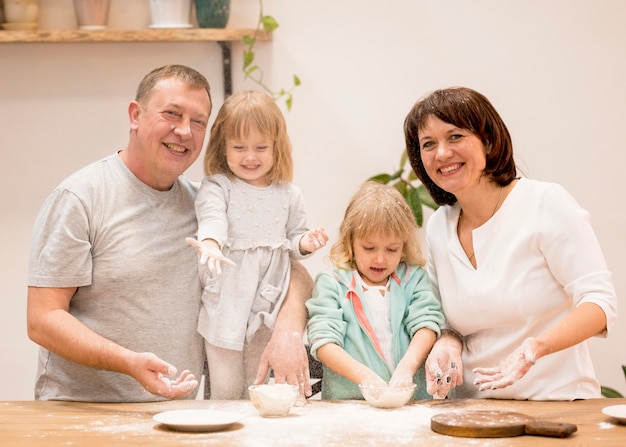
92 14
21 14
212 13
170 13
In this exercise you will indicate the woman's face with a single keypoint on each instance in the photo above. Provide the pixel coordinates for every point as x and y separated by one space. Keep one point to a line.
454 158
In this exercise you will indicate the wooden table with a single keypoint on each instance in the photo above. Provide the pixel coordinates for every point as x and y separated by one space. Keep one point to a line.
319 423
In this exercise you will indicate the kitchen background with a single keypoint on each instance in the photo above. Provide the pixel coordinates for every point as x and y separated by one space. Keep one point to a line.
555 69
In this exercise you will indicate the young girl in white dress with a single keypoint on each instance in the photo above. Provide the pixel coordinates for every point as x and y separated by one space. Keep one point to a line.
251 224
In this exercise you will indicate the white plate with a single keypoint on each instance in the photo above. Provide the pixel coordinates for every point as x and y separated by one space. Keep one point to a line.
197 420
616 411
173 25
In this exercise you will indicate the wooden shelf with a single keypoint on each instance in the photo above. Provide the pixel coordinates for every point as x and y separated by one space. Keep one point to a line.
224 37
136 35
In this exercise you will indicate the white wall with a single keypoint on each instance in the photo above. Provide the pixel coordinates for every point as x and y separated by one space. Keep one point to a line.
555 69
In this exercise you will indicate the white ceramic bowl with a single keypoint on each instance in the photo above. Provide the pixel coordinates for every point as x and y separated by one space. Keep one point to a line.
387 397
273 400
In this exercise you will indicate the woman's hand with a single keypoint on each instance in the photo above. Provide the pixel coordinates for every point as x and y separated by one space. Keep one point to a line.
444 367
513 368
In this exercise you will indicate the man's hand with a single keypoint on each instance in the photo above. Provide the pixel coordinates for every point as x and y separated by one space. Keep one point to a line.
286 355
150 371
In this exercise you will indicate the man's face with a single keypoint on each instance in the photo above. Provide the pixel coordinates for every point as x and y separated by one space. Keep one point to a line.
170 127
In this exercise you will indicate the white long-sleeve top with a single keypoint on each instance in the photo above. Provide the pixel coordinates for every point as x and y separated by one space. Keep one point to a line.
537 258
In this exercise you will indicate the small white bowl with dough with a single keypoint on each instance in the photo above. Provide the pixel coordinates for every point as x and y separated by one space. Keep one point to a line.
387 397
273 400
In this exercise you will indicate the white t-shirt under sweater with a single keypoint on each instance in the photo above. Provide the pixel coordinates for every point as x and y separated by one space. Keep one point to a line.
122 244
260 230
379 305
537 258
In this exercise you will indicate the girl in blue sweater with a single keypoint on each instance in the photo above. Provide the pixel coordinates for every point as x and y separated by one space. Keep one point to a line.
374 317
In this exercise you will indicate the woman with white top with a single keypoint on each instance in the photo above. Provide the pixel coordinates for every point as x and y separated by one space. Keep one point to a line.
522 279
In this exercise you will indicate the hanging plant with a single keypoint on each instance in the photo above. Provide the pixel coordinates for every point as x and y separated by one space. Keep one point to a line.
253 72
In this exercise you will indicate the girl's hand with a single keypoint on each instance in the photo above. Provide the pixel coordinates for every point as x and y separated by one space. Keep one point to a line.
313 240
399 380
373 380
513 368
403 374
210 254
376 384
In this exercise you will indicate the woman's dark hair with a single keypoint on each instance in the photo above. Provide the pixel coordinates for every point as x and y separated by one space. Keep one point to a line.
465 109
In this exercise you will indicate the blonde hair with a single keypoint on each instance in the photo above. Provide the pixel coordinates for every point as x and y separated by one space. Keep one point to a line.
241 112
376 209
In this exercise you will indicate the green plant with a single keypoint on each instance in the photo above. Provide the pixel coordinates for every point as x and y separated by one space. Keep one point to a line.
252 71
414 192
610 392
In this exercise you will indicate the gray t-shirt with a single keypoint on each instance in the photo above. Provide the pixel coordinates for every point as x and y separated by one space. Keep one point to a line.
122 244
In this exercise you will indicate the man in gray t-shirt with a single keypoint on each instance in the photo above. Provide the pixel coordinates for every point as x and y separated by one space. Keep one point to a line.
114 294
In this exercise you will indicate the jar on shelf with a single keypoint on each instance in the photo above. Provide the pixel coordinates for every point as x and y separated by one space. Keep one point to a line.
92 14
170 13
21 14
212 13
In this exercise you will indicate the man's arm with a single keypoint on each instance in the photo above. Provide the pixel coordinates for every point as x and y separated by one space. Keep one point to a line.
285 353
50 325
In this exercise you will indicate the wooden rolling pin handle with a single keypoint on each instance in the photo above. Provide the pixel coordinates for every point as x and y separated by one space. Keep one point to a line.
553 429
